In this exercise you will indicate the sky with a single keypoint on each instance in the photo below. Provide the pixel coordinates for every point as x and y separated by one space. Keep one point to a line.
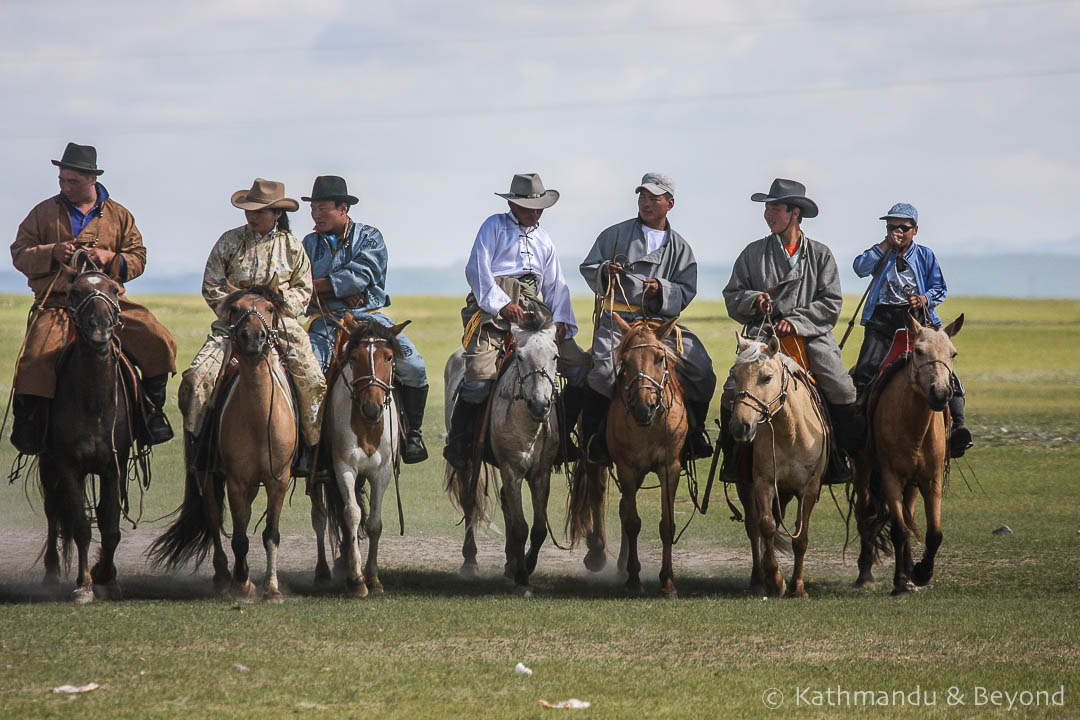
965 108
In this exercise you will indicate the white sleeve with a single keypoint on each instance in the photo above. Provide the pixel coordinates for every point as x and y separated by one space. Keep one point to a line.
556 293
478 270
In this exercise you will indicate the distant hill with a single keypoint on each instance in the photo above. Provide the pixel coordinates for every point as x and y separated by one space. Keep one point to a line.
1014 275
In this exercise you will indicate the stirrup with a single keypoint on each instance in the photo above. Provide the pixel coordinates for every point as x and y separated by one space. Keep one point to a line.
960 442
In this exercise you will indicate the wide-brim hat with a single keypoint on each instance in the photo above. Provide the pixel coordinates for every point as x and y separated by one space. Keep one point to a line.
791 192
331 187
527 191
264 195
79 157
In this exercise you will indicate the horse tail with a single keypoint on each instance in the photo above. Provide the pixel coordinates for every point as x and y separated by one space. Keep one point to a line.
470 500
912 525
878 521
587 487
63 511
192 534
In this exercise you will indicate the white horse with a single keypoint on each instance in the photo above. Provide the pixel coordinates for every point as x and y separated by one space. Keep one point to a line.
364 431
522 426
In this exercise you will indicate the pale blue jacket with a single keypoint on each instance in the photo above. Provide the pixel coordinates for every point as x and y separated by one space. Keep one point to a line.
357 265
921 260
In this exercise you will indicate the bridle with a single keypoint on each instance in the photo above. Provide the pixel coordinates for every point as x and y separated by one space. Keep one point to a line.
519 382
271 332
765 409
77 312
361 382
657 386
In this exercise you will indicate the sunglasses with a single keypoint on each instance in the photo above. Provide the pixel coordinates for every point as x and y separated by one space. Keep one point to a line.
902 228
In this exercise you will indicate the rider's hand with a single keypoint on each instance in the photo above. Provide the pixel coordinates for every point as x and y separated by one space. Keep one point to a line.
651 287
101 256
560 331
785 328
763 304
917 301
513 313
356 300
611 269
62 252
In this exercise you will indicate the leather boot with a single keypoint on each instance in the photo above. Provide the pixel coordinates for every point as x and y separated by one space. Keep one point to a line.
462 435
729 469
849 427
158 429
960 438
593 415
304 461
413 402
697 439
570 403
30 423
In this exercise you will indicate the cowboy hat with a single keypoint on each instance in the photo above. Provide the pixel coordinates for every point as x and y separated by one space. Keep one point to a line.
790 192
264 195
331 187
79 157
527 191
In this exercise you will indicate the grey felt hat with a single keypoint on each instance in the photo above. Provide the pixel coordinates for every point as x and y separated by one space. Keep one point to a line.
788 191
527 191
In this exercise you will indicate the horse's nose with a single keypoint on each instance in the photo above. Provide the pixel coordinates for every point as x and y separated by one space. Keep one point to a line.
742 431
250 337
371 412
643 414
538 409
939 396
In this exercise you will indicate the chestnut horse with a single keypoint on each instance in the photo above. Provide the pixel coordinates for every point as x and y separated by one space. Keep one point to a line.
908 448
646 428
777 412
256 439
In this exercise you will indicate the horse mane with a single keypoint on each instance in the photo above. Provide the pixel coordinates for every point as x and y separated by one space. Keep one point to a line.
535 322
264 291
640 328
756 352
368 327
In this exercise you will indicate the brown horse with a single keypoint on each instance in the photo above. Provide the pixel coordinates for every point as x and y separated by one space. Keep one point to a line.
256 437
776 410
90 431
646 428
906 457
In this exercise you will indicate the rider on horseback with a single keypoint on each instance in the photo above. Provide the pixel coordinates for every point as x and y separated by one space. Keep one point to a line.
82 218
907 280
644 268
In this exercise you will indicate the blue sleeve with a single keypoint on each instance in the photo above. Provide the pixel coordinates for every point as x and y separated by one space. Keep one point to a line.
933 280
123 269
366 268
866 263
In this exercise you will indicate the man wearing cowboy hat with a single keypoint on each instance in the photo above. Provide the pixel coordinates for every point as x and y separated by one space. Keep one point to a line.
644 268
82 217
348 264
908 280
513 269
789 282
247 256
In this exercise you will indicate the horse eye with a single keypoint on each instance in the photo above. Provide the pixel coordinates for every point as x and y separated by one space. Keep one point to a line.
953 356
918 351
766 379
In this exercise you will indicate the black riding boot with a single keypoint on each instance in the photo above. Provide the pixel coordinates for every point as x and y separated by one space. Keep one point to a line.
304 461
30 423
413 402
697 439
729 470
960 439
849 427
462 435
593 415
570 403
158 429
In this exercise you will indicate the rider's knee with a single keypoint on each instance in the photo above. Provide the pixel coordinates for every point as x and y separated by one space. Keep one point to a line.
475 391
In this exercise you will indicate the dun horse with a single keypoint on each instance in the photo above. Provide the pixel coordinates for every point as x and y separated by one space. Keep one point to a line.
776 410
524 435
646 429
364 431
90 431
256 439
907 455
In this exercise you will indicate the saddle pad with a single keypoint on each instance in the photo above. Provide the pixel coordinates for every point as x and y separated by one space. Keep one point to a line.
900 347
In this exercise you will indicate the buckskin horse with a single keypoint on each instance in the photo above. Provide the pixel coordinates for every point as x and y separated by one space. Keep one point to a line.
90 431
646 429
256 440
777 411
906 455
524 435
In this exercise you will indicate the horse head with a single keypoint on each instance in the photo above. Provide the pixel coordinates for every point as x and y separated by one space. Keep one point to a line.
94 307
930 367
252 315
644 364
370 355
537 353
761 384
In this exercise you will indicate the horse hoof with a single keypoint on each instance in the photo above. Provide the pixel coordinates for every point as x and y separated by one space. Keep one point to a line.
243 593
377 589
508 571
524 591
356 587
273 596
668 594
920 575
902 590
865 581
635 587
469 571
595 560
799 593
322 581
83 595
108 591
51 579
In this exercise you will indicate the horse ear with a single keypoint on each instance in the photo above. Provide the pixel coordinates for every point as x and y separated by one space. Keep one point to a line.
664 330
399 327
912 325
741 343
274 283
774 345
349 322
954 327
624 327
230 288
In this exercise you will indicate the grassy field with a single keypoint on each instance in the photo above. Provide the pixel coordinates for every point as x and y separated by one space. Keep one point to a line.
1002 614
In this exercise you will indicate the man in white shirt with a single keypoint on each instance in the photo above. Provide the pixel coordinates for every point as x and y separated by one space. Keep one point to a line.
513 269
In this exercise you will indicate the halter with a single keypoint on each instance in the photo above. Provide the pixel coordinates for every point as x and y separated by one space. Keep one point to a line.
77 316
271 333
765 408
913 374
658 386
519 383
360 382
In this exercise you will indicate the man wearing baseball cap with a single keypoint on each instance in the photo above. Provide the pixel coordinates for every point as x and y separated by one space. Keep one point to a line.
656 270
907 281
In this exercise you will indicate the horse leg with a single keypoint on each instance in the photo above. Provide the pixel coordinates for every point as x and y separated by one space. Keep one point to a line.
924 569
469 568
53 508
596 540
318 524
900 539
374 525
271 537
108 517
770 568
668 486
354 577
800 543
517 531
864 525
240 507
753 533
631 526
539 487
213 509
81 533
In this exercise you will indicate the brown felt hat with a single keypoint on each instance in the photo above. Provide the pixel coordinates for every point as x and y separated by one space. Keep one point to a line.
264 194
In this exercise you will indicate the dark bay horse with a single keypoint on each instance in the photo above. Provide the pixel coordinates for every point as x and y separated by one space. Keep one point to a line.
646 428
907 456
256 439
90 432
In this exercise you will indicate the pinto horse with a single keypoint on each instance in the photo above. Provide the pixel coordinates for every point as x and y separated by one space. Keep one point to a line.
646 429
908 447
776 410
256 438
90 431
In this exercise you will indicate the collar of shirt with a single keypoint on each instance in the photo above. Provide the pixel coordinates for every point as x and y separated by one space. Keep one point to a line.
332 240
79 219
792 258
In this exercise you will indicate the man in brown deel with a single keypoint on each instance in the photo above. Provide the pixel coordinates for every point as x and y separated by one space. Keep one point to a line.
82 217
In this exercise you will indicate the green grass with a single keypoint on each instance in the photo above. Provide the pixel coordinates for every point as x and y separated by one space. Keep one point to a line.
1002 612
